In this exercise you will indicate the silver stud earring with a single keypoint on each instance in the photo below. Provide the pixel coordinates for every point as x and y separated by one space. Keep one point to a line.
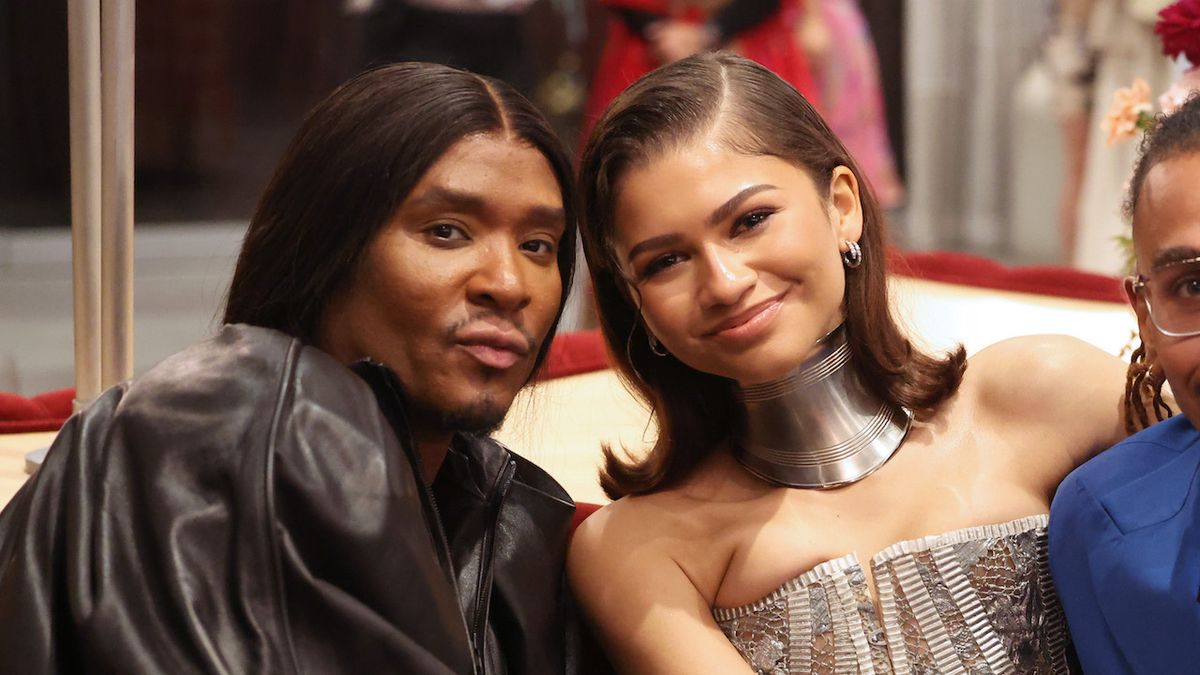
852 257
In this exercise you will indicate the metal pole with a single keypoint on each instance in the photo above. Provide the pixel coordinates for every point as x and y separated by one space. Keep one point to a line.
117 229
83 30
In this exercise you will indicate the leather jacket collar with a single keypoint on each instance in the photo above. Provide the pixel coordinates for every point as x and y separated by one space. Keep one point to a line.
502 524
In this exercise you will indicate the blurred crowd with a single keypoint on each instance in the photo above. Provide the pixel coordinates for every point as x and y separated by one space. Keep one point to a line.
977 122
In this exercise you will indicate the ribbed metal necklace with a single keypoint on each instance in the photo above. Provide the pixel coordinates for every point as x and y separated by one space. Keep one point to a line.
819 426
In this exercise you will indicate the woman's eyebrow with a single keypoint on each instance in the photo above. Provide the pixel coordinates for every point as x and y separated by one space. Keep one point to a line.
652 242
718 216
722 212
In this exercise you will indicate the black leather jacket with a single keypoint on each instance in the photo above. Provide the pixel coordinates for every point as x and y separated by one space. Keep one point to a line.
250 505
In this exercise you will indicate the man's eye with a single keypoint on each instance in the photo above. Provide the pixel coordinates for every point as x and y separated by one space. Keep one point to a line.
1187 288
541 246
447 232
751 221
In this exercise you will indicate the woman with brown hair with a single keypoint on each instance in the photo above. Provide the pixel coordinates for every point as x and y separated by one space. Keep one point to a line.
822 496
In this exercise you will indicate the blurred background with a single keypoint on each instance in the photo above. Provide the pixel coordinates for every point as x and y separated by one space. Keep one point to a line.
977 122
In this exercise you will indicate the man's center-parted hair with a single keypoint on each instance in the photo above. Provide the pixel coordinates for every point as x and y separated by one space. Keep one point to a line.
751 111
355 159
1171 136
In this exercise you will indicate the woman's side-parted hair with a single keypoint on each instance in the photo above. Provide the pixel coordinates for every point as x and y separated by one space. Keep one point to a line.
355 159
1171 136
753 112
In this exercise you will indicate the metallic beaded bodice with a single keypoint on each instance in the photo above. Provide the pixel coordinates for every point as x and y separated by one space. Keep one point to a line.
978 600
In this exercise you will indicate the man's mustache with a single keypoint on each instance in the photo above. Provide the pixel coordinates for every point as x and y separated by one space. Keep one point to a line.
496 321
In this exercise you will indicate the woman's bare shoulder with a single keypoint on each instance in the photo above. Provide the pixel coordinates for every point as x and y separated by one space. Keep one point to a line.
1031 371
634 519
1057 383
629 517
644 569
626 550
686 521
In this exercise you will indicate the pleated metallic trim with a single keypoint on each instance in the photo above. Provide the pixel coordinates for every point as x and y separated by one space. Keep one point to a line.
929 622
968 602
803 581
955 537
898 557
850 560
889 614
854 654
1057 644
898 560
800 632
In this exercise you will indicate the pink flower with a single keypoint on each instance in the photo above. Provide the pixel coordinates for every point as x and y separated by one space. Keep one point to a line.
1128 105
1179 27
1180 91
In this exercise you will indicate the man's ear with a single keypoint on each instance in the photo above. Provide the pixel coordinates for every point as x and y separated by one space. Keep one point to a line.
1146 329
845 204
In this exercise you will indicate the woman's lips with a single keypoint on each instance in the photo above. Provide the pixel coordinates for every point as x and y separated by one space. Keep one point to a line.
749 324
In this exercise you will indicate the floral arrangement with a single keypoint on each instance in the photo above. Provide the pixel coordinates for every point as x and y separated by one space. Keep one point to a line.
1178 27
1132 111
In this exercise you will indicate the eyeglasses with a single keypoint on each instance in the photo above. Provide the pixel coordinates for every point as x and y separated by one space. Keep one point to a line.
1172 296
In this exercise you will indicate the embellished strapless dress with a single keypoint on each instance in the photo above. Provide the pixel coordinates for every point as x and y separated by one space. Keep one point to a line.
978 600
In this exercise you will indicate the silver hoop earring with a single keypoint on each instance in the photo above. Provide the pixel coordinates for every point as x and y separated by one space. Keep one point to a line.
852 257
655 345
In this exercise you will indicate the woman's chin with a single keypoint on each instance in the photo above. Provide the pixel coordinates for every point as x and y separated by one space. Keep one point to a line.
767 367
762 373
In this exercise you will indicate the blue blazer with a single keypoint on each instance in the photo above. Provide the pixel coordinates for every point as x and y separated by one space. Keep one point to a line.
1125 553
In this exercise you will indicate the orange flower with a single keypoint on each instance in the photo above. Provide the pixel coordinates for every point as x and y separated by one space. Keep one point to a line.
1128 104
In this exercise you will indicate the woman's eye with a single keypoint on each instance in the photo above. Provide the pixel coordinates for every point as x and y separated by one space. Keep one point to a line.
751 221
447 232
661 263
540 246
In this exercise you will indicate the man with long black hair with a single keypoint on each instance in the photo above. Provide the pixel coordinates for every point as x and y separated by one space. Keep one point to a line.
312 489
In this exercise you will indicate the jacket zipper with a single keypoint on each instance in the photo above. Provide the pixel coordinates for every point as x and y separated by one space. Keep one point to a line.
482 594
384 377
426 490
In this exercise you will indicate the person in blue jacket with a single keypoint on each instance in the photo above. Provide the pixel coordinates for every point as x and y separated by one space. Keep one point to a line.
1125 527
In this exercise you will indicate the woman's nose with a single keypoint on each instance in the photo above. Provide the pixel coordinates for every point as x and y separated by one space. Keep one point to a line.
726 279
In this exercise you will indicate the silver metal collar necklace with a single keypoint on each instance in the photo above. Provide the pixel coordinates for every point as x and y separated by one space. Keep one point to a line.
819 426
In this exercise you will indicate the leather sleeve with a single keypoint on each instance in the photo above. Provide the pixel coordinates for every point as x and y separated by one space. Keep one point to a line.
132 550
46 580
364 587
222 515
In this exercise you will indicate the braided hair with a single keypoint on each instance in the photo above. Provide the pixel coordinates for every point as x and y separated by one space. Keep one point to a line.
1171 135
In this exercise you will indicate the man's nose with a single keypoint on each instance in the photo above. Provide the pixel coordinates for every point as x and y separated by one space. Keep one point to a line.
500 279
725 277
